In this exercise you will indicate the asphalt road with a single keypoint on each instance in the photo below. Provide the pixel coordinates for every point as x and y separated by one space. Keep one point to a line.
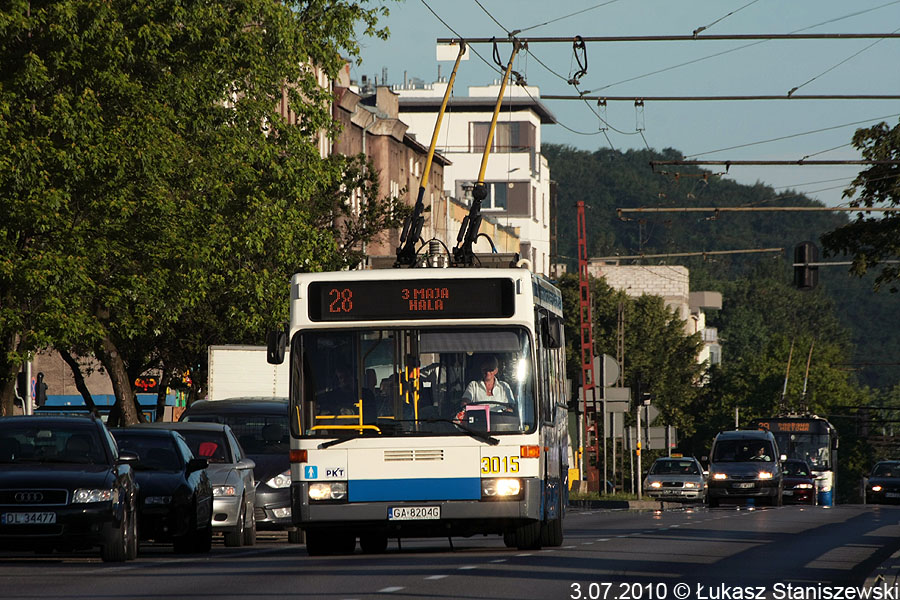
623 555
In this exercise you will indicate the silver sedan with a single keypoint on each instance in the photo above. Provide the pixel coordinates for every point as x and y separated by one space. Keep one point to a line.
676 479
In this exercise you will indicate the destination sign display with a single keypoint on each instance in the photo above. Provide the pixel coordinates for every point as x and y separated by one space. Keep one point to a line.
411 299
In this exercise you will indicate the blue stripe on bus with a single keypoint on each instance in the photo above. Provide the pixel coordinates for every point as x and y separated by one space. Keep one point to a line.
385 490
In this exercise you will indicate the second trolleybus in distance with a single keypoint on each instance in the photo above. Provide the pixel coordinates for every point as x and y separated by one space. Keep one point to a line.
812 439
392 432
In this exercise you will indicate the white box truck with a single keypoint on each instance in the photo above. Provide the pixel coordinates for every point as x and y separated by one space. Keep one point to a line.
236 371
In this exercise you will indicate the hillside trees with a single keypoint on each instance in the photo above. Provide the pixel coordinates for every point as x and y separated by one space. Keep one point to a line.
155 196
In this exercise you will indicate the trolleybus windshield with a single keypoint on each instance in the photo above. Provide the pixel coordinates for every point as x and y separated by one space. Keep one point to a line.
412 381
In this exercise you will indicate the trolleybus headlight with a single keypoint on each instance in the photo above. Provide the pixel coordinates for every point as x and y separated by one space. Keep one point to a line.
497 488
328 490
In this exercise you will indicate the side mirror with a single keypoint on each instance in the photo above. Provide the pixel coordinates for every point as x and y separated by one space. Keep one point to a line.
245 464
276 344
197 464
128 457
554 333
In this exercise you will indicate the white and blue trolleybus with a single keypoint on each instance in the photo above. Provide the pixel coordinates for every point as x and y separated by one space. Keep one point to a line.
393 431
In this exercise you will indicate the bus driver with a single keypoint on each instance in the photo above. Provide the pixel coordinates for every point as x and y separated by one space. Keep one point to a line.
490 389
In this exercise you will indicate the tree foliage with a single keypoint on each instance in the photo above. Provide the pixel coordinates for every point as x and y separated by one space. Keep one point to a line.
873 239
658 351
158 200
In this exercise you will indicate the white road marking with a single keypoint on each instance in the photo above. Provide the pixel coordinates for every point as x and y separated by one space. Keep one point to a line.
390 590
436 576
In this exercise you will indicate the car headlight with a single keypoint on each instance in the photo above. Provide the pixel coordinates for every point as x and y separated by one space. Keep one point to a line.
690 484
876 488
764 475
501 488
85 495
280 481
655 484
803 486
153 500
328 490
224 490
719 476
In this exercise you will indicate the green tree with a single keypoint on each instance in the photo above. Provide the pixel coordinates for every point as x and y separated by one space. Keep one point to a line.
873 239
658 351
149 177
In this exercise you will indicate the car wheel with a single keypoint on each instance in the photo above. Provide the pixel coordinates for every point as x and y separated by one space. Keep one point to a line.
202 540
295 536
250 528
115 549
373 543
134 539
235 537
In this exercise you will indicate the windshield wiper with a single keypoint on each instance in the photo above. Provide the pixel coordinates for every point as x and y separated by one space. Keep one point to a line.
478 435
481 436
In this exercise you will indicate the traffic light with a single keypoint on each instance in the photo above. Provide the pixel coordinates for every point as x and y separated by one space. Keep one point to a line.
805 276
40 391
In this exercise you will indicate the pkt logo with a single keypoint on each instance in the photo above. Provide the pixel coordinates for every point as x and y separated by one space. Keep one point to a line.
311 472
334 472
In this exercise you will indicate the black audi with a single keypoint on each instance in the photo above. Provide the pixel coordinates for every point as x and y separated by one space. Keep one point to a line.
65 486
176 496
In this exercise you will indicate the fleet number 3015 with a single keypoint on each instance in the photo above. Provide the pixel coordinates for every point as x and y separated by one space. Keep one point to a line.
499 464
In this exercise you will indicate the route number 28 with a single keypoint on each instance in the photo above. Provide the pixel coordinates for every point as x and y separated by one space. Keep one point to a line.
341 300
499 464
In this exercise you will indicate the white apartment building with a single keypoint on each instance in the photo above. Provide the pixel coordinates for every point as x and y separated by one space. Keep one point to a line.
517 175
672 282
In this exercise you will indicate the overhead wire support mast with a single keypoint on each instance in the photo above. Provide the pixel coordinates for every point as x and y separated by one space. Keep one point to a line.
684 38
412 227
468 231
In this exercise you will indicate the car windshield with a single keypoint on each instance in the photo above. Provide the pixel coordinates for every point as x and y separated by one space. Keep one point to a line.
392 382
257 434
886 470
796 469
674 467
210 445
743 451
24 442
156 453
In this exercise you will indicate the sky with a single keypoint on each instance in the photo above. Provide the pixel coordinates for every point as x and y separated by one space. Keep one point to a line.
787 130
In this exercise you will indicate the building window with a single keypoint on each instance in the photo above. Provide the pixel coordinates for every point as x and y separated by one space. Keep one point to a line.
511 136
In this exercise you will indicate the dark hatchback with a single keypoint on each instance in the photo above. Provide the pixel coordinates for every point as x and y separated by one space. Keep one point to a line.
744 465
65 486
883 486
261 426
799 482
176 496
